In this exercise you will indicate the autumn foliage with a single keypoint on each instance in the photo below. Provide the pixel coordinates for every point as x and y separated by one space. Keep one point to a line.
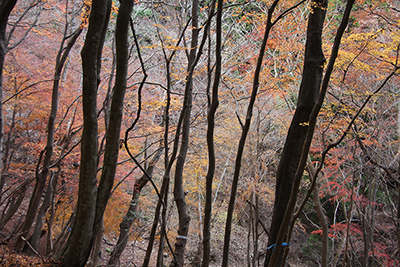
355 144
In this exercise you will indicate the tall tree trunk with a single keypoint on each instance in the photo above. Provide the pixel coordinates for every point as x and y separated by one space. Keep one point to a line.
164 192
6 6
35 238
116 111
117 107
210 139
309 90
96 249
49 243
314 62
245 129
79 244
179 192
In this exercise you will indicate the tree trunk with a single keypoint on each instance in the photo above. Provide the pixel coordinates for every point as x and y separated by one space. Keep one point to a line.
130 215
6 6
35 238
164 192
179 193
117 107
210 139
49 243
309 90
79 244
96 250
312 66
243 136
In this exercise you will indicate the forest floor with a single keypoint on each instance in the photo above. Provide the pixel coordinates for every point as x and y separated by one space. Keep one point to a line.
9 258
134 253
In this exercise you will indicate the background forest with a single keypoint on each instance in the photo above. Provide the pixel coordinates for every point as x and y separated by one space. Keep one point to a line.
155 133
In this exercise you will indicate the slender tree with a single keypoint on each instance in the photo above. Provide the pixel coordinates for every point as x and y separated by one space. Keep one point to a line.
179 192
210 139
116 111
246 126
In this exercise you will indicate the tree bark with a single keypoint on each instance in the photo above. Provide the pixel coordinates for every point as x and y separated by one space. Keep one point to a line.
289 218
35 238
96 250
318 11
116 111
79 244
164 192
117 107
309 90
